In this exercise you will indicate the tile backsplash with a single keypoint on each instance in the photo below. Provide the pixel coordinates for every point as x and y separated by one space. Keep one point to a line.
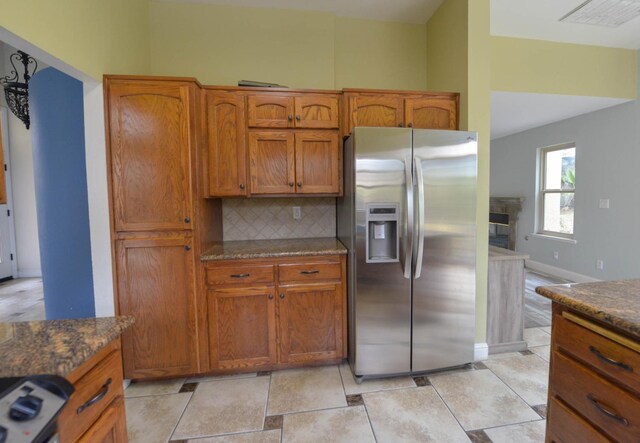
272 218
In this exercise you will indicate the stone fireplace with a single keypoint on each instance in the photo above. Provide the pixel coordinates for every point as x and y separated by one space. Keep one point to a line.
503 220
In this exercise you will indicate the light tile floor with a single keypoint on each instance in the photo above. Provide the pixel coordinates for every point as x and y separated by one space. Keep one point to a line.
500 400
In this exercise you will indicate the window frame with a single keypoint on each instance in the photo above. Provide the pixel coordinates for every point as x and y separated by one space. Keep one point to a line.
542 191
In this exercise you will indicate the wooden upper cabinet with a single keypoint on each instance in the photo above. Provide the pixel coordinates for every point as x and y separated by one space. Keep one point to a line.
378 110
225 114
431 113
151 137
272 162
270 111
242 327
317 111
156 287
317 162
304 311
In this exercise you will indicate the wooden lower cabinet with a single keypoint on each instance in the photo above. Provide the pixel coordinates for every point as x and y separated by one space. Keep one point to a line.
594 385
296 318
95 411
156 286
242 327
310 323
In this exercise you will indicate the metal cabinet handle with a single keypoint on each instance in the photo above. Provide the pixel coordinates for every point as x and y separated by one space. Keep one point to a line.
299 184
99 396
187 220
290 117
297 117
187 248
281 295
315 271
241 185
410 125
270 296
400 125
609 360
291 184
608 412
240 275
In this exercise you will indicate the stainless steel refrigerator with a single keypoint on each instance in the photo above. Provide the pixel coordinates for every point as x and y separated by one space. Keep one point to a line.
408 220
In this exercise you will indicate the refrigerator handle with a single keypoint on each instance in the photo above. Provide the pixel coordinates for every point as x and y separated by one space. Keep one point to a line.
420 209
408 238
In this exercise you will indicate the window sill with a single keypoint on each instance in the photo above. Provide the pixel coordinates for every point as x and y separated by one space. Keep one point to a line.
551 237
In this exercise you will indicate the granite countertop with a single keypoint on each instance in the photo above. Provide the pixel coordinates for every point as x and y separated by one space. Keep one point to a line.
496 253
55 346
614 302
229 250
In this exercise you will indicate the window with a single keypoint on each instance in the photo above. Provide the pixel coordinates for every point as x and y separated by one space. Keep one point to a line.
557 190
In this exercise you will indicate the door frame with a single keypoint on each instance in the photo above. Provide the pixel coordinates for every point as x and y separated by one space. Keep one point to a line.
9 188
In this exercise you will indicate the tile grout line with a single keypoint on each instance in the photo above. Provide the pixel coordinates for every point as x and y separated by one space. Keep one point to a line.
364 405
447 406
181 414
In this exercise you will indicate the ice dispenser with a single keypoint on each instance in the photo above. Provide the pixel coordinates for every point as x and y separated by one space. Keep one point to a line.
382 233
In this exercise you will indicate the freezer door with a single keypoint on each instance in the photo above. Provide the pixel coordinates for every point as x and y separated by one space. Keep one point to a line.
444 288
381 290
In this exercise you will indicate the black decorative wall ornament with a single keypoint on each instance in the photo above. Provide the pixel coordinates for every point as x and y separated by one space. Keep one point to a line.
15 91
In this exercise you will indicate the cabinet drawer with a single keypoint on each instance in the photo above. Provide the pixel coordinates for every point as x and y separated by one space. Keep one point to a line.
599 401
111 426
240 275
93 392
299 273
604 354
566 427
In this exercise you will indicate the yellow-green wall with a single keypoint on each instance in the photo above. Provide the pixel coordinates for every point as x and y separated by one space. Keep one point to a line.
93 36
384 55
220 45
521 65
458 59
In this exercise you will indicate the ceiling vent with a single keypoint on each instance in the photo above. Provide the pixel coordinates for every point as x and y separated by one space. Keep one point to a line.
608 13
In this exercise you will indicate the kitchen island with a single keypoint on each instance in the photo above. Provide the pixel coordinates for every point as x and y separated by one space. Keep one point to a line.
594 386
87 353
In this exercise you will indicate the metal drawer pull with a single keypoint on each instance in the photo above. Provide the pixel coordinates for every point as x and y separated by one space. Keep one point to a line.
315 271
240 275
609 360
607 412
99 396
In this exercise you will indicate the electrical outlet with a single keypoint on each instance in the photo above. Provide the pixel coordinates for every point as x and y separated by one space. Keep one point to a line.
600 264
296 213
604 203
556 255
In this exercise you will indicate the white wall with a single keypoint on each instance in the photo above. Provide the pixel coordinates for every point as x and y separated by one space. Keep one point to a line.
607 162
23 184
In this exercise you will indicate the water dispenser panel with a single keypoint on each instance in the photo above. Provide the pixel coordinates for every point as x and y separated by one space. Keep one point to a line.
383 242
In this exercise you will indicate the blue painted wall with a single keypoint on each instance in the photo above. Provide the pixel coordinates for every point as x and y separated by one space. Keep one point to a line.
57 115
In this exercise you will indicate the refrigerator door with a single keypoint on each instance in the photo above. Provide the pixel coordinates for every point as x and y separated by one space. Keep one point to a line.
381 291
444 262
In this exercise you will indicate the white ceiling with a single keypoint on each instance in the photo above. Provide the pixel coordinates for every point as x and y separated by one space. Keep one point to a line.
513 112
538 19
405 11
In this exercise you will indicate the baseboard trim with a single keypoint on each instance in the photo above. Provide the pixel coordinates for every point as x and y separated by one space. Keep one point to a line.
559 272
508 347
480 351
29 273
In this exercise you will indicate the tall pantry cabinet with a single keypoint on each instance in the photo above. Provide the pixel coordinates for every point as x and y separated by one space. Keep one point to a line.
153 143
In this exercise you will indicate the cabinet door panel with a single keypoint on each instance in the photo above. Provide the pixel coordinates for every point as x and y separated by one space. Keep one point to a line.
317 111
383 110
270 111
317 162
310 323
242 327
431 113
271 162
227 149
151 143
111 427
156 287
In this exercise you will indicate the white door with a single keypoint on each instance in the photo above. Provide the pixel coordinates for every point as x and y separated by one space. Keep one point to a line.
8 263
